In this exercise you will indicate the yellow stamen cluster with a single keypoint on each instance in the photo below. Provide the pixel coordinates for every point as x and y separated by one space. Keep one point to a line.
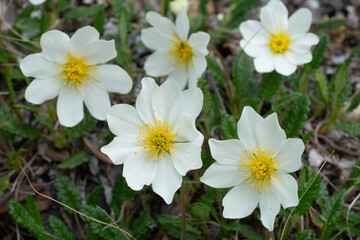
75 71
156 139
279 43
182 51
259 168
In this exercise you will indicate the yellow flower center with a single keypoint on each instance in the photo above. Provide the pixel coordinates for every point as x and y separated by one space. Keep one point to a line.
259 168
75 71
279 43
182 51
156 139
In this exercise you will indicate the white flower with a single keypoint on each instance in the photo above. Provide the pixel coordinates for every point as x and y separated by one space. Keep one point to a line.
177 5
278 42
73 69
37 2
256 166
175 55
157 141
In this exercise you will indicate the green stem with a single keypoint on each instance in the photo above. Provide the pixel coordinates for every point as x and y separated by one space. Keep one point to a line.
79 227
183 217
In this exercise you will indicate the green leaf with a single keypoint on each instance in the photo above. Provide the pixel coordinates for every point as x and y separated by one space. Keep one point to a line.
244 230
228 127
200 211
270 83
303 235
305 179
354 103
296 116
85 11
67 192
319 52
285 100
172 226
116 6
208 101
123 26
241 11
322 83
339 79
20 129
202 6
140 226
99 20
121 193
4 183
354 178
28 107
331 24
76 160
351 127
3 56
84 127
94 196
33 210
216 70
63 5
44 122
60 229
354 52
9 83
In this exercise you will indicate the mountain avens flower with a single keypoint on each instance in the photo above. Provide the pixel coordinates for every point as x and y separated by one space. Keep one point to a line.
177 5
73 69
257 168
157 141
278 42
176 55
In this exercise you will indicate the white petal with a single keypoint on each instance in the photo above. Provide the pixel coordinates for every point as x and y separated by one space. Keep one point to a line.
167 180
226 152
287 190
240 202
55 46
163 24
153 39
269 208
96 100
113 78
254 32
144 100
159 63
270 135
186 157
123 120
255 50
246 127
34 65
300 22
180 76
283 66
298 59
100 51
37 2
264 63
192 76
199 62
290 156
222 176
139 171
185 129
82 37
70 107
182 25
121 148
42 90
164 98
199 41
274 16
303 43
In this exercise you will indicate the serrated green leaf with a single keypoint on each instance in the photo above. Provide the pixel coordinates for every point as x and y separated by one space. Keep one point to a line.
228 127
296 116
354 52
20 129
172 226
207 103
76 160
121 193
94 196
84 127
198 23
216 70
63 5
303 235
4 183
99 20
140 226
339 79
67 192
354 178
270 83
208 199
244 230
33 210
331 24
351 127
200 211
241 11
60 229
354 103
85 11
319 52
322 83
117 5
307 136
44 122
305 179
123 26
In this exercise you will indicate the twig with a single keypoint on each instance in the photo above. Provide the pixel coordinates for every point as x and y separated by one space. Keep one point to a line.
96 151
50 235
338 148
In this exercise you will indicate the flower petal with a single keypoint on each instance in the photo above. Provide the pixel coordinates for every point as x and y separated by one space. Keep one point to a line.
162 24
139 171
113 78
34 65
199 41
269 208
193 76
55 46
185 129
290 156
159 63
226 152
182 24
240 202
199 62
255 50
303 43
121 148
42 90
300 22
96 100
283 66
264 63
180 76
153 39
246 127
186 157
253 32
274 16
167 180
100 51
298 59
287 190
123 120
222 176
70 107
144 100
82 37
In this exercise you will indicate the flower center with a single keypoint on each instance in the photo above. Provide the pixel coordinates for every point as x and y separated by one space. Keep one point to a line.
279 43
259 168
156 139
182 51
75 71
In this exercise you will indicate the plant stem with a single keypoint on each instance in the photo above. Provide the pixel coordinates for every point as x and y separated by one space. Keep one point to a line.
183 217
